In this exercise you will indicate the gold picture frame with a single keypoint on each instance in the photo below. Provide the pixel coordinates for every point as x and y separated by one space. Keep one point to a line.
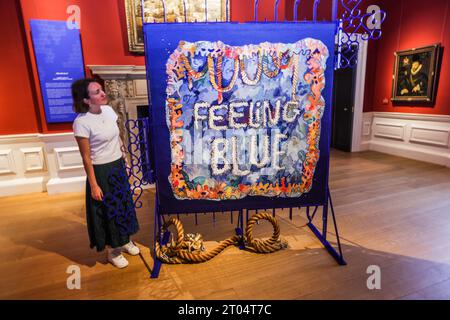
416 73
153 12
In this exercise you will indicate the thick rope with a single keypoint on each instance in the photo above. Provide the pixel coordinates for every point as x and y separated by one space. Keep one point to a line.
212 74
295 75
263 246
177 251
245 78
276 62
196 75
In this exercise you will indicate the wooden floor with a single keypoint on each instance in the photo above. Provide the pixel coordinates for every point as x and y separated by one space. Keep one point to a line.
392 212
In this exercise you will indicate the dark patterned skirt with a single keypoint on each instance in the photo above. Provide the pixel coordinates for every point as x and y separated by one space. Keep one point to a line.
113 220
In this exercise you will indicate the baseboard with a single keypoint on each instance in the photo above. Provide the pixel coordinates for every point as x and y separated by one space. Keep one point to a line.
63 185
414 136
411 153
40 162
22 186
364 146
37 162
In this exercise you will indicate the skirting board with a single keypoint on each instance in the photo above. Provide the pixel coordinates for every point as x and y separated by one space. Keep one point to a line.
411 153
414 136
22 186
364 146
39 163
59 185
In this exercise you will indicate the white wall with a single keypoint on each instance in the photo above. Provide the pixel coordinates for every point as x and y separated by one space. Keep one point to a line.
52 163
415 136
40 162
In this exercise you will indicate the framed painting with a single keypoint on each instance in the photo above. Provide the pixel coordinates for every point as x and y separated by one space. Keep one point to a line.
154 13
415 75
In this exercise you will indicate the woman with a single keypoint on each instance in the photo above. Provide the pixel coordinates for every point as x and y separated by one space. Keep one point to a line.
110 214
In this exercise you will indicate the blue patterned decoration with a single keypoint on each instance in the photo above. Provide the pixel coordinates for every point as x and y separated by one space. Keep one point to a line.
353 22
140 168
119 202
127 185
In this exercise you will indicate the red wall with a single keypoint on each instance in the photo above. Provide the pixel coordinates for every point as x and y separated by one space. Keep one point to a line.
324 10
104 41
305 10
17 108
243 10
103 34
409 24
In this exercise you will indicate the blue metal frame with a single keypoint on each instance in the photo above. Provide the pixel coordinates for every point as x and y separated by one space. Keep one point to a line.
255 13
315 7
352 24
296 4
351 21
322 236
141 171
275 13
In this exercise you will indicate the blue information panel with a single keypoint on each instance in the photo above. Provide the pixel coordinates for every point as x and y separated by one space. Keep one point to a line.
59 62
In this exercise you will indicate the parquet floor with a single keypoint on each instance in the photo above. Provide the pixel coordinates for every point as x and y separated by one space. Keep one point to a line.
392 212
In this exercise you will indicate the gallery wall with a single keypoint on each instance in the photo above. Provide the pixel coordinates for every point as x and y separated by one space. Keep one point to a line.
36 156
103 35
305 10
104 41
18 113
410 24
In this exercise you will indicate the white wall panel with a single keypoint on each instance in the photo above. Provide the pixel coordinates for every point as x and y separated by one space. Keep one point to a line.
430 135
68 158
6 162
33 159
389 130
416 136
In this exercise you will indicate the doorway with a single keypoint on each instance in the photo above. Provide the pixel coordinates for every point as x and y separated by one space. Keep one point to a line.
348 101
343 109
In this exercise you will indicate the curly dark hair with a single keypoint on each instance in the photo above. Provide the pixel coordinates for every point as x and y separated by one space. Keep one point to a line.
80 92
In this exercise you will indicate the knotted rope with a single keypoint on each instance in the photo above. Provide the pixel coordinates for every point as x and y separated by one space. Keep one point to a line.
179 251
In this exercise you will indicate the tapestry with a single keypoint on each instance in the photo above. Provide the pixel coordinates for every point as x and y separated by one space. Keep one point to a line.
240 114
244 121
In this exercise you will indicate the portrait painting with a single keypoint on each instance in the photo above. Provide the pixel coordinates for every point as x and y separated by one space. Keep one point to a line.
415 75
153 12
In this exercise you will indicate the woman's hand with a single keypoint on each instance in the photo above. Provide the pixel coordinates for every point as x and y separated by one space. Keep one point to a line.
97 193
127 167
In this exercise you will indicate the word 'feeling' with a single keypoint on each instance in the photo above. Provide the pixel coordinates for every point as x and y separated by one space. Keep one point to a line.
245 115
260 115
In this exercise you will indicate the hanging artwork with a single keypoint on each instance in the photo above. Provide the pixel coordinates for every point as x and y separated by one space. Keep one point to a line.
240 121
244 120
415 75
153 11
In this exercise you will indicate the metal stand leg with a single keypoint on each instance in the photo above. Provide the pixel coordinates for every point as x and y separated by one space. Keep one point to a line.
163 239
158 238
323 236
240 229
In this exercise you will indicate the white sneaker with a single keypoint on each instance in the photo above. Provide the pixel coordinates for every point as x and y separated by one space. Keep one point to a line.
131 248
116 258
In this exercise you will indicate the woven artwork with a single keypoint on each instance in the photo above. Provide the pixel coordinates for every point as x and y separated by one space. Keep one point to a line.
244 120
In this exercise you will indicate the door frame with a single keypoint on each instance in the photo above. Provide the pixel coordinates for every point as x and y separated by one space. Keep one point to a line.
358 103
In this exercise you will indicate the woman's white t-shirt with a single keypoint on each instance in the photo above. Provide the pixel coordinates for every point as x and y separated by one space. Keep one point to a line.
103 134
